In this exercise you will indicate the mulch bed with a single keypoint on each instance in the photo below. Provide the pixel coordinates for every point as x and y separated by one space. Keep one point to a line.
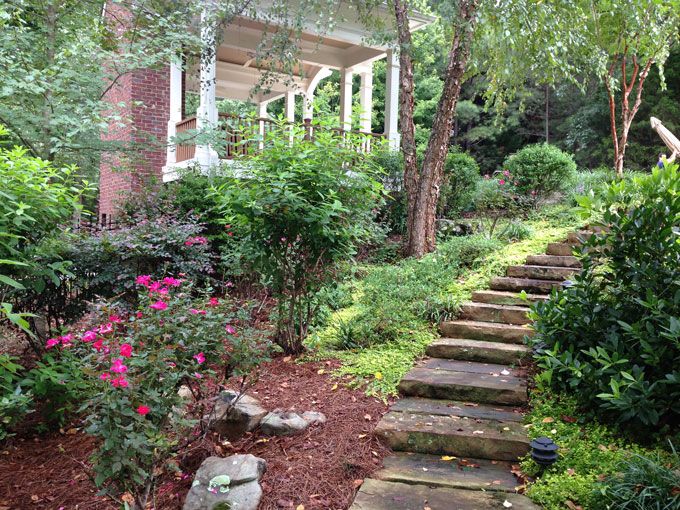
320 468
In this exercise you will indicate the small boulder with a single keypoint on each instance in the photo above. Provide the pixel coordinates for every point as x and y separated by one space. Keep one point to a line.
453 228
312 417
283 423
232 420
231 482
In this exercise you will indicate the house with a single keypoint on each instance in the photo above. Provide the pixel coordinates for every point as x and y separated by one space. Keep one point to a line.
156 97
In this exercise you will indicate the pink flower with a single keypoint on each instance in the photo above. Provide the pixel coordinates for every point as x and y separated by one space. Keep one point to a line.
213 302
105 376
66 340
126 350
197 375
227 227
155 286
104 329
118 367
159 305
172 282
143 279
506 173
52 342
501 182
89 336
163 291
115 319
194 311
140 315
195 240
230 329
98 345
119 382
533 192
200 357
229 284
172 364
230 234
143 410
487 177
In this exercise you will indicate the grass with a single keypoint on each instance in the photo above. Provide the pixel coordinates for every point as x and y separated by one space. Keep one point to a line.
395 308
591 456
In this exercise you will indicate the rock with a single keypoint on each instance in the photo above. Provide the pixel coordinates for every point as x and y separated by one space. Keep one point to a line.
232 421
453 228
283 423
312 417
185 392
231 482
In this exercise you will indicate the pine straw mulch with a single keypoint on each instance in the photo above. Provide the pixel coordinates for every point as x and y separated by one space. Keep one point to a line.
320 468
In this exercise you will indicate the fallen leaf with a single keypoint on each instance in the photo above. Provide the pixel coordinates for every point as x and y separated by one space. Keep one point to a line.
425 469
320 371
71 431
447 457
553 431
602 448
286 359
506 428
357 483
505 372
128 498
471 404
548 420
361 436
478 432
35 498
496 482
263 440
572 506
571 472
335 387
568 419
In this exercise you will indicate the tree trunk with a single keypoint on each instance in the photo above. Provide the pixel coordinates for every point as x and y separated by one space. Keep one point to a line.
423 187
50 50
628 112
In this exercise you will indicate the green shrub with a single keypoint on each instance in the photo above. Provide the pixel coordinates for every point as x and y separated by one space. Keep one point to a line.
15 403
461 175
613 337
299 212
496 198
645 482
540 169
515 231
394 211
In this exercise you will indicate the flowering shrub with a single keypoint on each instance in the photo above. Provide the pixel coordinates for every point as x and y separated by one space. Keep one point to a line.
136 364
496 198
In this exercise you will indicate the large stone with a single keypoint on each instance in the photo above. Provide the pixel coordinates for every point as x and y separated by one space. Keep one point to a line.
477 350
489 331
314 417
453 228
227 483
541 272
236 414
487 312
283 423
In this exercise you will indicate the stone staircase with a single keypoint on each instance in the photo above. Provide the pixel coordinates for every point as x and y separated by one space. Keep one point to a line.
457 429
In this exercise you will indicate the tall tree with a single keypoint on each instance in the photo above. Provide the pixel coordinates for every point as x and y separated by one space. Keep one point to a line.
422 182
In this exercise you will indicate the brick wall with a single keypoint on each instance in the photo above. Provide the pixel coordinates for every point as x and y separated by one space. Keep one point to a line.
144 130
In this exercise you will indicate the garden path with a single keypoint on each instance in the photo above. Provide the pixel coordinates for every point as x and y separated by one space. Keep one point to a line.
457 430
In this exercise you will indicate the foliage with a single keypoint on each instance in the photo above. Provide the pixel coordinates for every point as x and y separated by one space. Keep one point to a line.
588 452
15 403
612 337
461 175
36 197
393 212
540 169
646 482
515 231
135 365
301 209
496 198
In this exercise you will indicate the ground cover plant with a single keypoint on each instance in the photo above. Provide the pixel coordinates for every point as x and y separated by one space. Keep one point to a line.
612 336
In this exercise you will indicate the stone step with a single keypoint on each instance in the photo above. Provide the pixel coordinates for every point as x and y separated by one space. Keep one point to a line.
457 473
501 297
490 331
477 350
453 435
472 410
561 249
486 312
554 260
541 272
579 237
529 285
469 386
383 495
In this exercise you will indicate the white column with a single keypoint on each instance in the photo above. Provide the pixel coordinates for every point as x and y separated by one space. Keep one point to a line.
346 99
206 115
366 99
262 114
392 99
290 106
307 102
175 110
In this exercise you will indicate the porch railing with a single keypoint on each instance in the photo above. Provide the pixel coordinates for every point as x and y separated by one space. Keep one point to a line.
238 129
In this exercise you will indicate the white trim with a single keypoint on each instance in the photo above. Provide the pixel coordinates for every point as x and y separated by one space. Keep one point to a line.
392 100
346 99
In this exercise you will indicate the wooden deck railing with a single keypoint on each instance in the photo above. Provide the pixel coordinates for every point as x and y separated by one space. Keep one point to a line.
238 130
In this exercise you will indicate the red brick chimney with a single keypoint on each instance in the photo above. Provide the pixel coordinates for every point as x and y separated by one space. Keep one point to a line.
145 94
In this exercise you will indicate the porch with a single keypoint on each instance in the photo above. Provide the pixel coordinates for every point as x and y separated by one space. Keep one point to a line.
232 72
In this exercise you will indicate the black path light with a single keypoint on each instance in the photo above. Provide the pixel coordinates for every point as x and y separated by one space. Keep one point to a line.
544 451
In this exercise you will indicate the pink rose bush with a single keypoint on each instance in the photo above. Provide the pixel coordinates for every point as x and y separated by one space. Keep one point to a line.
135 362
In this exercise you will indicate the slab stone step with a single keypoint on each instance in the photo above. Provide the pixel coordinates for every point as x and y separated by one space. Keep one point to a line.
541 272
490 331
487 312
502 297
458 473
484 388
562 249
453 435
473 367
430 406
579 237
382 495
529 285
477 350
554 260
